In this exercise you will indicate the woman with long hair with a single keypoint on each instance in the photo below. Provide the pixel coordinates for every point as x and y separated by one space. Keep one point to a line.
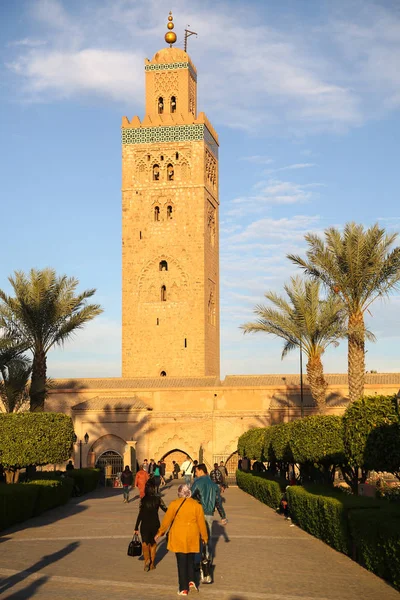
186 523
149 523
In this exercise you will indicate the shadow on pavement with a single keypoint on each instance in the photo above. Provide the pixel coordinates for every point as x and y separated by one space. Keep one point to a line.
162 551
46 560
28 591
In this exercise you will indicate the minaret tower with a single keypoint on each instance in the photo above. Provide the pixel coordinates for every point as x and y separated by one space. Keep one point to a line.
170 242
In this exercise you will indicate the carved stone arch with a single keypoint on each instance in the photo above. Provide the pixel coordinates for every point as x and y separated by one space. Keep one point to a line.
184 170
108 442
141 172
231 448
150 274
176 442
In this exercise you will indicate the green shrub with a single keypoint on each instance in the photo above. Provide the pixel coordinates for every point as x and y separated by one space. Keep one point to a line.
34 439
318 439
86 480
51 493
17 503
376 539
280 442
372 433
251 444
265 490
323 512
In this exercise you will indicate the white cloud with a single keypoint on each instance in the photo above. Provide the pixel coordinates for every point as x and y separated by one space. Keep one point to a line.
91 70
281 80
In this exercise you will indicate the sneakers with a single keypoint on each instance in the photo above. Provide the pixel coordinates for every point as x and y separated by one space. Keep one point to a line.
193 586
183 593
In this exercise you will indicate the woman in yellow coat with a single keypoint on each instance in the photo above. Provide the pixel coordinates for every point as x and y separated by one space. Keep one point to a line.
188 526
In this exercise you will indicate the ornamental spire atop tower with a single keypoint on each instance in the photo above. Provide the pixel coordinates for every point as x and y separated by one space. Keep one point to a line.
170 36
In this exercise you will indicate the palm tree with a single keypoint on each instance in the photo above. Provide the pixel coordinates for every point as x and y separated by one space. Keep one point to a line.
45 312
359 266
306 321
14 393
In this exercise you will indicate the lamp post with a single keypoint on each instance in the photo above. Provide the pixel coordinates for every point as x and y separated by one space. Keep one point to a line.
75 438
301 380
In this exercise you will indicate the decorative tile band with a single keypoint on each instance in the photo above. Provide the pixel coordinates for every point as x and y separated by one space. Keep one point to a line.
176 133
172 66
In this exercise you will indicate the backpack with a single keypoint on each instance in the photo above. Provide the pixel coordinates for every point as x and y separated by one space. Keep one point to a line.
216 476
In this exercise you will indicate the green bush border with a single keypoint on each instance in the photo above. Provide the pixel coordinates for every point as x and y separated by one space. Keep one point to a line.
265 490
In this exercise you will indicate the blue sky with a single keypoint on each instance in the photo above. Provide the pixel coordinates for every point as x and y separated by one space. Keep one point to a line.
305 96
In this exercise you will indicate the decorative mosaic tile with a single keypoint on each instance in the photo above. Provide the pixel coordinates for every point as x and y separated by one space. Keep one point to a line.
172 66
176 133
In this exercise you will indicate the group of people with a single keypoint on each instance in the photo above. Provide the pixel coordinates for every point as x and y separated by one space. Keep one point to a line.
148 470
187 522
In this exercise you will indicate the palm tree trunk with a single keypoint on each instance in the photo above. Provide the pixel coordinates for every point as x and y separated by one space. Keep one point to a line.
356 356
37 390
318 385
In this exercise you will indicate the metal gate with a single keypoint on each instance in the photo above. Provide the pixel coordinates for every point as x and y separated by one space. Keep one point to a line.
111 466
230 462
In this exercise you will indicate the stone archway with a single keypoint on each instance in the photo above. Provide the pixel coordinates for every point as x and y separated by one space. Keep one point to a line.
177 455
108 443
231 463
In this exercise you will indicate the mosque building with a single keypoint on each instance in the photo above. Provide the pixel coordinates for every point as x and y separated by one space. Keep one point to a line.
170 400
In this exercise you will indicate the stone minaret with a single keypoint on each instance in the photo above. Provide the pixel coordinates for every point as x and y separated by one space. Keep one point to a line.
170 242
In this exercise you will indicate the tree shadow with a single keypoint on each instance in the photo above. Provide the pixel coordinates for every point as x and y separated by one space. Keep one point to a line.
47 518
28 591
45 561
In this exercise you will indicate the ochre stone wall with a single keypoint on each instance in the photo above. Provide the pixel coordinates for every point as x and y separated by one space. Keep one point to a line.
185 417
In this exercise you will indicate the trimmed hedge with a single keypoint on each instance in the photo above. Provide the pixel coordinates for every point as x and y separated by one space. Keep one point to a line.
51 493
323 512
372 433
17 503
376 539
86 480
34 439
265 490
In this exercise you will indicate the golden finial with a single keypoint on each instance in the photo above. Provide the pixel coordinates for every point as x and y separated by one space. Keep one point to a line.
170 36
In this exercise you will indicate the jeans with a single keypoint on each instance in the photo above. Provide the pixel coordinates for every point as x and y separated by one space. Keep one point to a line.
209 521
188 479
185 564
126 492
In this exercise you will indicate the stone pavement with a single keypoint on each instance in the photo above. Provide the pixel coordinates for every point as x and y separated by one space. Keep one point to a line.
79 552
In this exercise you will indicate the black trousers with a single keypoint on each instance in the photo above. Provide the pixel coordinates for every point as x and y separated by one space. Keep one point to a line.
185 564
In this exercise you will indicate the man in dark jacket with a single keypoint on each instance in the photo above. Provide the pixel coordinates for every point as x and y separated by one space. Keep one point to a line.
126 480
207 493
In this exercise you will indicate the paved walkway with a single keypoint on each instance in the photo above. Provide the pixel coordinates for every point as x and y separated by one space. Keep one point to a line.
79 551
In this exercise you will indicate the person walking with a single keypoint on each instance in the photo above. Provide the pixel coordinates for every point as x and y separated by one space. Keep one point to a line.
149 523
152 466
195 463
217 477
187 470
126 480
175 469
157 477
207 493
146 465
161 466
140 480
186 523
224 472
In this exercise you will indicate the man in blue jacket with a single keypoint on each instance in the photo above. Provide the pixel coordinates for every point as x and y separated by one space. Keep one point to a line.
207 493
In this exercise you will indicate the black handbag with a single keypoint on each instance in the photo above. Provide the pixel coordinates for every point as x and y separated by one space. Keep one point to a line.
135 546
170 527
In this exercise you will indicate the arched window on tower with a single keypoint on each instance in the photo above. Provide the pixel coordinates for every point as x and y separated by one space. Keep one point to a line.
160 105
156 213
163 293
156 173
169 212
170 172
163 374
173 104
163 265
